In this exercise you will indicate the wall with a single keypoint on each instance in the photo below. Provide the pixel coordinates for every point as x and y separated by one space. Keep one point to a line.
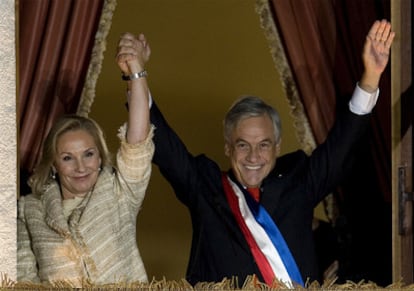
8 144
205 54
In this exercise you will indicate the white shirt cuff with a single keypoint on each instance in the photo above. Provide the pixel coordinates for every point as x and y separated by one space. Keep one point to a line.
362 102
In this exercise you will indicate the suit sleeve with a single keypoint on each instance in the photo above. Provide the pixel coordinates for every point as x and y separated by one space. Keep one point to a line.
175 162
331 161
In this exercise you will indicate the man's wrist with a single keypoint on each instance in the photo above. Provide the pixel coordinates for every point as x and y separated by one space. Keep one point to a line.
367 87
369 82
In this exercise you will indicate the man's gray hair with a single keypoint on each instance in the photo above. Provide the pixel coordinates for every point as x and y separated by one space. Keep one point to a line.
250 106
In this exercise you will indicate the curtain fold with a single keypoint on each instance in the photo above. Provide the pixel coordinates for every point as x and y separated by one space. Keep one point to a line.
347 72
55 43
307 30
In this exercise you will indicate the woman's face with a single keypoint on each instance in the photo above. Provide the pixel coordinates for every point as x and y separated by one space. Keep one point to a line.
77 163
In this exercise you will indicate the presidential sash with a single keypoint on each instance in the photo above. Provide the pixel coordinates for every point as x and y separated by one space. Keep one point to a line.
266 243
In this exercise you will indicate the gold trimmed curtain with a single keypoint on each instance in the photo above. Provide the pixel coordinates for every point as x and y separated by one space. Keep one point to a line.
301 122
95 65
305 73
60 43
316 46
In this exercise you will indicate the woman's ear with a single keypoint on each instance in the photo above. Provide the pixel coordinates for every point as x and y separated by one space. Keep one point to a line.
54 172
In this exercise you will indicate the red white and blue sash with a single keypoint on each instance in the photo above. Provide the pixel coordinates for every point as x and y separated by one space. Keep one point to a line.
266 243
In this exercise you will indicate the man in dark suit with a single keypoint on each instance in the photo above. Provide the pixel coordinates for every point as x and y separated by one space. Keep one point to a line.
256 218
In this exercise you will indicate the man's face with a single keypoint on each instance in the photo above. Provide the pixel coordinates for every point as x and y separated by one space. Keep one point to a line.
253 150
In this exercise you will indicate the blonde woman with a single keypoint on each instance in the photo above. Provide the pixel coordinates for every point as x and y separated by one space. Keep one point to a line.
79 223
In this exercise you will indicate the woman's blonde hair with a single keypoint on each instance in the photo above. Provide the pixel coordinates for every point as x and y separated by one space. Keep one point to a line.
43 171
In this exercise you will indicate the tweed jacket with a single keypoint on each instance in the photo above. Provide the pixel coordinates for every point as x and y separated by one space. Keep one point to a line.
98 242
289 194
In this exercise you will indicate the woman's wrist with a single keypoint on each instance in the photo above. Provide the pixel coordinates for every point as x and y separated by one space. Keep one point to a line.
133 76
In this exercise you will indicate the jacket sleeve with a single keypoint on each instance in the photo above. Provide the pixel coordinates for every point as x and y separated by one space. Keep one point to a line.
26 261
134 165
176 163
332 160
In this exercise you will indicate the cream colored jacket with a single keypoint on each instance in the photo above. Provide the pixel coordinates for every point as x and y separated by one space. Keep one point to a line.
98 243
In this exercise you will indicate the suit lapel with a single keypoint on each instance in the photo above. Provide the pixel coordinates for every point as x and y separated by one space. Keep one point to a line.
222 206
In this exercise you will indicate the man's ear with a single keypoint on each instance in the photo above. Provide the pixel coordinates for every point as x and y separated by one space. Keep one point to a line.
227 149
278 147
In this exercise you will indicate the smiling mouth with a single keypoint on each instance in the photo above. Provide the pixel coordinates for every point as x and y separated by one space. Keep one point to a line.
81 177
253 168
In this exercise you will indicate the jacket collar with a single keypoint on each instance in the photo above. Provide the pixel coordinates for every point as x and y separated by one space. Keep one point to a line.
52 201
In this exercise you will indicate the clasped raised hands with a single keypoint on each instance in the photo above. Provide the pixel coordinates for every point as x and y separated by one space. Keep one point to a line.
133 53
